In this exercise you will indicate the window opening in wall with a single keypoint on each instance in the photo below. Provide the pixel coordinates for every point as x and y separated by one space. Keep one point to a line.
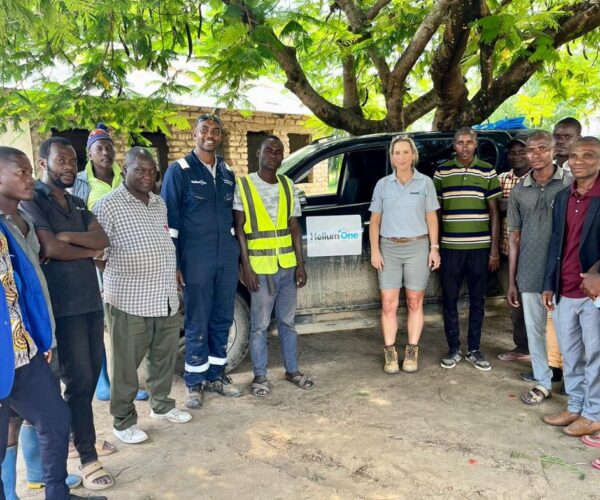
296 142
78 138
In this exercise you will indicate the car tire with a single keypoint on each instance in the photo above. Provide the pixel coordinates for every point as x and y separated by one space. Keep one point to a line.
237 344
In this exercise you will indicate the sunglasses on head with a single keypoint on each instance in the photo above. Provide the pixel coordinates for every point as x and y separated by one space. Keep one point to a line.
209 116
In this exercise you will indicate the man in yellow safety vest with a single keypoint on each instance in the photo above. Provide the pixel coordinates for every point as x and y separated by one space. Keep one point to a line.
266 210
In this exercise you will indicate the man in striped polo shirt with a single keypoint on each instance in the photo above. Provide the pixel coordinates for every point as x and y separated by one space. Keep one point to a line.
468 190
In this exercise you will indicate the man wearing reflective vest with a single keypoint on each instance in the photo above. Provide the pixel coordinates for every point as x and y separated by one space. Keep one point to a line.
198 191
266 211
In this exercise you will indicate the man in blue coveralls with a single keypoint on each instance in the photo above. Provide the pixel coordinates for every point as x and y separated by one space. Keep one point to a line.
198 191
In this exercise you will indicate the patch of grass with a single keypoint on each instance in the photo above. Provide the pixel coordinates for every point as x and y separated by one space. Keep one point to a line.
361 394
316 478
546 460
553 460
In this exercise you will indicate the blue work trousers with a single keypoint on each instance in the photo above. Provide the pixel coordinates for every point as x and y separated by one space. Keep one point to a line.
280 294
209 307
577 325
35 396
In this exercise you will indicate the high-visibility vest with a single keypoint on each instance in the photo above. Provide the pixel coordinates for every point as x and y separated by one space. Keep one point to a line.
269 245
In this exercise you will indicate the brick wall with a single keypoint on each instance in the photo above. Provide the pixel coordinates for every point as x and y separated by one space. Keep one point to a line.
235 128
235 146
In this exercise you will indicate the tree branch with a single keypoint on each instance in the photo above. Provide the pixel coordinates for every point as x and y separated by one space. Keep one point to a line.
420 40
359 24
351 98
448 80
583 18
297 82
486 52
420 106
373 11
394 92
356 17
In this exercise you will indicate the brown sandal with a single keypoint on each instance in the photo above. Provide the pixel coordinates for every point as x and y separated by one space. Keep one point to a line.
103 448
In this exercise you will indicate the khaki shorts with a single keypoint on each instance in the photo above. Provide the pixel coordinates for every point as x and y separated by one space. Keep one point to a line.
404 265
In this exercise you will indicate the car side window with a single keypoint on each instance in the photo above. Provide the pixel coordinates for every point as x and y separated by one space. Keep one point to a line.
344 178
362 170
322 179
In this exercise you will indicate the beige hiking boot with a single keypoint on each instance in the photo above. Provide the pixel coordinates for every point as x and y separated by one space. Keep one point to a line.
390 357
411 358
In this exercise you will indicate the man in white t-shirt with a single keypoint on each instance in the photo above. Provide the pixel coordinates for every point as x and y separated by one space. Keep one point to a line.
266 210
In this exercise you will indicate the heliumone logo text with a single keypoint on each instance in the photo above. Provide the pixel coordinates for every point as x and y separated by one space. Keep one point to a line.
341 234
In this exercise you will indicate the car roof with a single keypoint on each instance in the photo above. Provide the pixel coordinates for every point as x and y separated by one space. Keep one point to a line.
387 136
332 144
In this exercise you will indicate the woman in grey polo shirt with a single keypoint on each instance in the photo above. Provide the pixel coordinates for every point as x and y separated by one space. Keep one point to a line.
404 247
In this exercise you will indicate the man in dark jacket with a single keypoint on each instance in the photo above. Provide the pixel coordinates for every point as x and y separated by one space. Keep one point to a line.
575 249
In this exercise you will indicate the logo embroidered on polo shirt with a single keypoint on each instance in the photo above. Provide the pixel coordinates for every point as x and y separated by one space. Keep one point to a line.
203 183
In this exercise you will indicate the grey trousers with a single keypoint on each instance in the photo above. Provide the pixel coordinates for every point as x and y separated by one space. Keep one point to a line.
133 338
577 324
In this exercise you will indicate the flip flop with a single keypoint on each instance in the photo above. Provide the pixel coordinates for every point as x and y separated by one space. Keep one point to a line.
593 440
103 448
301 381
596 463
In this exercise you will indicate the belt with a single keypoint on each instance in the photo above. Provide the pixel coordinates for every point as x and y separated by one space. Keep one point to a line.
408 240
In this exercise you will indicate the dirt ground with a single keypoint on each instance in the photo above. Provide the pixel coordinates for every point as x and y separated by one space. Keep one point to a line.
360 433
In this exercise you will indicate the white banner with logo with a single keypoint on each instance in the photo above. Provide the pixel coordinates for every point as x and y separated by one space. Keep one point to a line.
334 235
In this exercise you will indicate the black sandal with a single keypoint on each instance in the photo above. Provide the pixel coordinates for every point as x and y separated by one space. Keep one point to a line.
299 380
261 389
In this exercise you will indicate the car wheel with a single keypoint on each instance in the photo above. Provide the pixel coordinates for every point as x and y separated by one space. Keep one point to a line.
237 344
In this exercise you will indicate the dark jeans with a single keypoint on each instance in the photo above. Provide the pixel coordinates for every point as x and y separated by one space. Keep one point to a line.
80 342
458 265
35 396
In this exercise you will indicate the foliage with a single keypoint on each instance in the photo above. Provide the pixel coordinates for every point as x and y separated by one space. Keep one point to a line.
359 65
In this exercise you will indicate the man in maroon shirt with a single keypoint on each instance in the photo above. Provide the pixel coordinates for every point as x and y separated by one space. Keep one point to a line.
575 249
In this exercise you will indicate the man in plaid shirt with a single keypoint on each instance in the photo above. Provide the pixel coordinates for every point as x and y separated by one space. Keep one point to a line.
140 289
519 168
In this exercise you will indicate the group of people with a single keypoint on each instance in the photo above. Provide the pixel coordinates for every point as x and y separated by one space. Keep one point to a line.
79 251
548 205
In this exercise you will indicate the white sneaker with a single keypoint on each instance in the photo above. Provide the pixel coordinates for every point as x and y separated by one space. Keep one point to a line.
132 435
176 416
